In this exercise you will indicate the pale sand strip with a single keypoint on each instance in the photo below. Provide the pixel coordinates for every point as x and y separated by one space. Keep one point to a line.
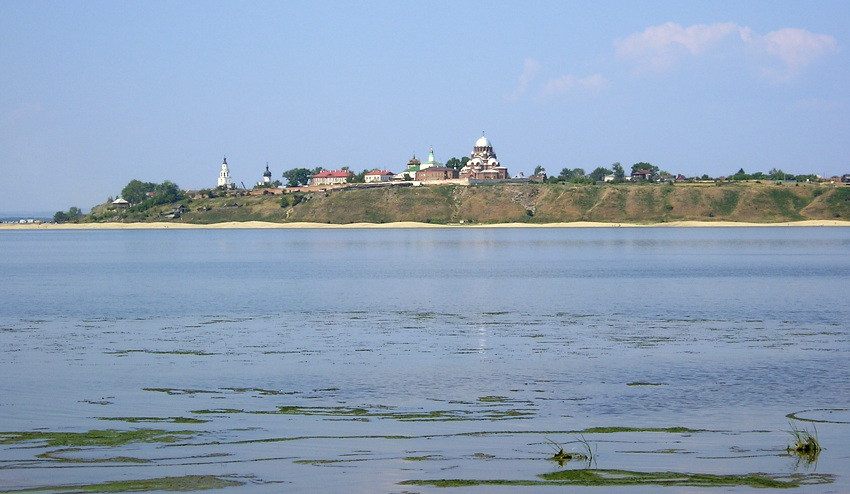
402 224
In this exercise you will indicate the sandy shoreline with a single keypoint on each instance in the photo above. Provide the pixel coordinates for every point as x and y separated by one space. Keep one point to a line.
404 224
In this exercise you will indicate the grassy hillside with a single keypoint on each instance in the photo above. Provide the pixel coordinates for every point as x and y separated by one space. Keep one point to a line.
526 203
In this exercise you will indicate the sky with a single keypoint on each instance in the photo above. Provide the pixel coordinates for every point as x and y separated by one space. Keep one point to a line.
94 94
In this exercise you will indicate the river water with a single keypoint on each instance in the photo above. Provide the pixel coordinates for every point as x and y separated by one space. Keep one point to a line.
382 360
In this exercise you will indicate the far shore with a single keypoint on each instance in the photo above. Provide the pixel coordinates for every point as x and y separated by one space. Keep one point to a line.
403 224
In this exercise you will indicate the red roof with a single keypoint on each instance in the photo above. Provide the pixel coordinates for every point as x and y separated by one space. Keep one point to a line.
332 174
380 172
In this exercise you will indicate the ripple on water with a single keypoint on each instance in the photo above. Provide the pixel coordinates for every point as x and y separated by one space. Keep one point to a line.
823 415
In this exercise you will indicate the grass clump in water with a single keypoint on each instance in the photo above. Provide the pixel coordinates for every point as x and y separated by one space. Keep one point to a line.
804 443
562 456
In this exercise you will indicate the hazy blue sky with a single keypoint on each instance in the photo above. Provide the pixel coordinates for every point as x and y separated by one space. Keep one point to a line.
95 94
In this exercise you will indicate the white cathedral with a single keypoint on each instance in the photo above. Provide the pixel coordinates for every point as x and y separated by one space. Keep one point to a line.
482 164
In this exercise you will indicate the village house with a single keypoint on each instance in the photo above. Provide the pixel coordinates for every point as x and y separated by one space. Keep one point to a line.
376 176
641 175
177 211
330 177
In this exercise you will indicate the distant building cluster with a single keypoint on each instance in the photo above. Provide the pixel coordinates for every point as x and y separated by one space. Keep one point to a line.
482 165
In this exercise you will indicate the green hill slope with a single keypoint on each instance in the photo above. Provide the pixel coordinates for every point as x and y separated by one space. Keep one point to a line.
525 203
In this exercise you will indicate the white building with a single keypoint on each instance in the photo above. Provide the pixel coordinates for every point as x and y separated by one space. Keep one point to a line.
482 164
224 176
376 176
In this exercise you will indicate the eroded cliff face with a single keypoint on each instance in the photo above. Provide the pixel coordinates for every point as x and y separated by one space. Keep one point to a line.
544 203
531 203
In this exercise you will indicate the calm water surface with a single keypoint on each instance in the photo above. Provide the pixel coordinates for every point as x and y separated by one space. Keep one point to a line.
330 360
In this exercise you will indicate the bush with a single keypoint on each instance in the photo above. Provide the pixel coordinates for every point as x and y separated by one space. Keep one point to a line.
291 200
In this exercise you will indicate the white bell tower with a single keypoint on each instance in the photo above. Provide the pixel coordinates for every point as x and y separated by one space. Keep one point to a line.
224 176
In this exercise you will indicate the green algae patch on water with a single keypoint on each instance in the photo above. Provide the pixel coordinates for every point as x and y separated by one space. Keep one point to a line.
261 391
182 484
623 477
424 458
106 437
218 411
612 430
176 391
356 413
173 420
593 478
492 399
162 352
63 456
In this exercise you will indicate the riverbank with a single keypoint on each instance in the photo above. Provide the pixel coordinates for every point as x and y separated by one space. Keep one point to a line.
402 224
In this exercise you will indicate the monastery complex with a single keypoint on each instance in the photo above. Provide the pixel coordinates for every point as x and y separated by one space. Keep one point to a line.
482 165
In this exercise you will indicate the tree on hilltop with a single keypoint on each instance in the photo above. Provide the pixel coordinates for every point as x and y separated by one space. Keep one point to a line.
358 178
619 173
645 166
297 177
137 191
167 192
599 173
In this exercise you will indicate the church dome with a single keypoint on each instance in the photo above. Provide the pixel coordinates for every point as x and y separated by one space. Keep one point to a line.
267 173
482 142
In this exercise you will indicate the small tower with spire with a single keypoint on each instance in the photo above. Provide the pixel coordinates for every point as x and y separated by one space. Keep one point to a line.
267 175
431 161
